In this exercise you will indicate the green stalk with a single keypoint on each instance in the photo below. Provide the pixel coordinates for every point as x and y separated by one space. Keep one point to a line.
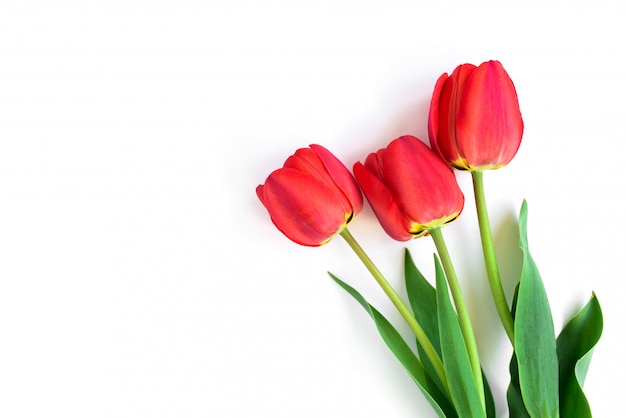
489 252
459 302
423 339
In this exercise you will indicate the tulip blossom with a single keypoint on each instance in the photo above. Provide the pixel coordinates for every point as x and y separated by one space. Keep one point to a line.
475 122
312 197
410 189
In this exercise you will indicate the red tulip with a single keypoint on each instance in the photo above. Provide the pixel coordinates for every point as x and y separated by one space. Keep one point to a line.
312 197
410 189
475 121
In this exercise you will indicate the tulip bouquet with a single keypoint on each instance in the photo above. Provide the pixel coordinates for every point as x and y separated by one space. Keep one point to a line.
474 125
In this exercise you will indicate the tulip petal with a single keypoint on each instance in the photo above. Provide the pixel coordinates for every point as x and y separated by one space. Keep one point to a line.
423 186
382 203
489 121
374 164
341 177
310 218
449 102
306 160
259 193
433 113
319 162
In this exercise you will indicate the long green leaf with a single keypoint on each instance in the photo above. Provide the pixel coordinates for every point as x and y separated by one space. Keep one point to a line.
517 409
404 354
490 403
574 348
535 344
463 390
423 300
514 392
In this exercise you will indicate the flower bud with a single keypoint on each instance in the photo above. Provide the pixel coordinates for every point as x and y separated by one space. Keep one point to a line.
410 189
475 122
312 197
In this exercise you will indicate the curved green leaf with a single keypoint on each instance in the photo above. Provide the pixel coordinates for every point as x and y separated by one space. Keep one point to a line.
404 354
574 348
463 390
535 344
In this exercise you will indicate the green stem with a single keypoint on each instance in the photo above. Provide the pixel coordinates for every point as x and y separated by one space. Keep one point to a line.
459 302
421 336
489 252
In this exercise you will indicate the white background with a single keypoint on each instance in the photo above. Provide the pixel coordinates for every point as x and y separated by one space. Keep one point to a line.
141 277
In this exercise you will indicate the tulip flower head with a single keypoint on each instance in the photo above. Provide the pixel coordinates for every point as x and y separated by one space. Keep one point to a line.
475 122
410 189
312 197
